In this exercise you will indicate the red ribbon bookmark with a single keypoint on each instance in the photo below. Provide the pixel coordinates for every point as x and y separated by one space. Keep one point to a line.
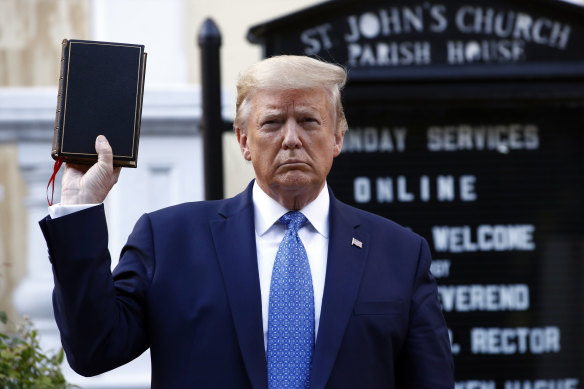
58 163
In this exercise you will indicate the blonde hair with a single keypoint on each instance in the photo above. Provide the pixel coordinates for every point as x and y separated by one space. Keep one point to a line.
286 72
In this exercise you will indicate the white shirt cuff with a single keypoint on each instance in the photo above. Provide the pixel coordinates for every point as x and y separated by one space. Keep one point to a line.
58 210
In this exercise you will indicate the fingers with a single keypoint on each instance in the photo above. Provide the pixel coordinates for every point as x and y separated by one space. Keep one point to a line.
116 174
101 177
104 151
105 159
83 184
75 167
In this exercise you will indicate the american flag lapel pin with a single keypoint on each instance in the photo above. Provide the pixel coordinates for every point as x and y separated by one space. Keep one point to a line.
357 242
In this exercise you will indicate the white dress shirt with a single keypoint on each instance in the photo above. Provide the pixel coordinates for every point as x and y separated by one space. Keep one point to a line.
269 233
58 210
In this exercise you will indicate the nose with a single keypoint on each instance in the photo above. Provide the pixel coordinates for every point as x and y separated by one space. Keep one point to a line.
291 135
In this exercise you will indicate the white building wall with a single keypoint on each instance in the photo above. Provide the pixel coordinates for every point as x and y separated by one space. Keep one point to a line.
170 157
170 171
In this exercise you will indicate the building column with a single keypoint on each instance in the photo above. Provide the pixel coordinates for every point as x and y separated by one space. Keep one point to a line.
32 297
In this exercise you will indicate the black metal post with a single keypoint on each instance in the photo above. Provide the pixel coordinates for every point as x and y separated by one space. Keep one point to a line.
211 122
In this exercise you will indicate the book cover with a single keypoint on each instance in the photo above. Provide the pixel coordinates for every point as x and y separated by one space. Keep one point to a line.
100 92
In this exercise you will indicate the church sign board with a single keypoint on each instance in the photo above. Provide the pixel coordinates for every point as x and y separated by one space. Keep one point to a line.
467 125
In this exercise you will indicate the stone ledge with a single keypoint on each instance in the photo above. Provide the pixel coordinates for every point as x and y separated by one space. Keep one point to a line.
28 114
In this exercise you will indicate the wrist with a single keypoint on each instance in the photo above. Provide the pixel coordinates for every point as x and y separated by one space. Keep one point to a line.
77 197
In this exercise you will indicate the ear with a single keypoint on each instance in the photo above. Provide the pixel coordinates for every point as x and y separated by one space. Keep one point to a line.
338 145
243 145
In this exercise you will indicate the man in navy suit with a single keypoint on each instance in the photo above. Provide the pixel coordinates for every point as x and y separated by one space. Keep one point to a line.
193 281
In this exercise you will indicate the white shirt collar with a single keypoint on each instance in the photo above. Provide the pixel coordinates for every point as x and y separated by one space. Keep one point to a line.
268 211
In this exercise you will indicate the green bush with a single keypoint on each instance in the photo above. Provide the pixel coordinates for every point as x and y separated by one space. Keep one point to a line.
23 365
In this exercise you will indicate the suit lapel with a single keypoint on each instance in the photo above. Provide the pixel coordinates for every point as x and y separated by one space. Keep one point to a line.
345 265
234 240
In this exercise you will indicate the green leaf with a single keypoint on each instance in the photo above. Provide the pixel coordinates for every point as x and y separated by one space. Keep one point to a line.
60 356
24 365
3 317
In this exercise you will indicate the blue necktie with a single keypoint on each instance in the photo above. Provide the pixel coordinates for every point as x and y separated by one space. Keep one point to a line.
291 311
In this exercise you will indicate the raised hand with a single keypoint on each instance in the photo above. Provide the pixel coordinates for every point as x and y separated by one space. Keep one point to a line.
84 184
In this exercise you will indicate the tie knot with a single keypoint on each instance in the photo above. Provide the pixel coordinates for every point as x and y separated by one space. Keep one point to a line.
293 220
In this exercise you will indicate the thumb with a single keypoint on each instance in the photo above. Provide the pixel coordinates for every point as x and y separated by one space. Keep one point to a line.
104 151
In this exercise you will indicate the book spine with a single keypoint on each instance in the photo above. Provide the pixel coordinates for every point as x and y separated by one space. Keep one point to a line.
55 151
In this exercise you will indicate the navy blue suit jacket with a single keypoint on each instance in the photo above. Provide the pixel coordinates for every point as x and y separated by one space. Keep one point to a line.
187 287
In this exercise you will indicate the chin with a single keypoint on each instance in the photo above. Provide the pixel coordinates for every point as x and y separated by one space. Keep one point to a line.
297 181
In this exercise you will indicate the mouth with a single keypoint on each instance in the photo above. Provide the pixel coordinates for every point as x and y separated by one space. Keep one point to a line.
293 163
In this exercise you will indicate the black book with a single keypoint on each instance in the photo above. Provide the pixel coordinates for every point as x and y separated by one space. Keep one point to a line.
100 92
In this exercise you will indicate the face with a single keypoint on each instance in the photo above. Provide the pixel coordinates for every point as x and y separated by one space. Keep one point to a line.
291 141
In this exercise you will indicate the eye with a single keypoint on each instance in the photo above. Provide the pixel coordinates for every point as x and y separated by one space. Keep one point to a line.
269 124
310 120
